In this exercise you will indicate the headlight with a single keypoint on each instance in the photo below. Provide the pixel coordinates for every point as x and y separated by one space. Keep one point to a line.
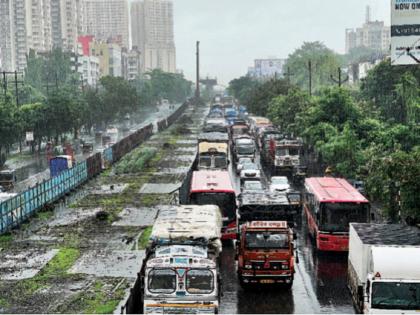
247 266
285 266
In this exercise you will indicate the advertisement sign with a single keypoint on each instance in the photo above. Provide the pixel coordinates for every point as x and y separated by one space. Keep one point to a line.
405 31
29 136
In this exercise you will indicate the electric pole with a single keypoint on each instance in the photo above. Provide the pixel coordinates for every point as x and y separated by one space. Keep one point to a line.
310 77
197 87
288 75
339 81
15 81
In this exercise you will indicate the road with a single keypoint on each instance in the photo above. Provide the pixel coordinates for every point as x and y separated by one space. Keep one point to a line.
319 285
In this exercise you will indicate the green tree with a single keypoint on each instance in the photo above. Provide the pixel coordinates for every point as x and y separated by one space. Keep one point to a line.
283 110
242 88
324 61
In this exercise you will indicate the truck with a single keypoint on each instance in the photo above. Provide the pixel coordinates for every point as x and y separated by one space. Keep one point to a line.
265 253
284 155
180 273
60 163
384 268
243 146
7 180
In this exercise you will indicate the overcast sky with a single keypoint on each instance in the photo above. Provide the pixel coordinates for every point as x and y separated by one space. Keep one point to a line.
235 32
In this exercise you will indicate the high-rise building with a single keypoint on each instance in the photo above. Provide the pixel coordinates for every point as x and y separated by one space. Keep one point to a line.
38 25
107 20
152 31
66 17
18 16
7 46
109 55
373 34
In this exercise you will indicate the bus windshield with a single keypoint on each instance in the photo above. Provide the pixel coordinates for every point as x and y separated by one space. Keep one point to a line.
336 217
396 295
256 240
225 201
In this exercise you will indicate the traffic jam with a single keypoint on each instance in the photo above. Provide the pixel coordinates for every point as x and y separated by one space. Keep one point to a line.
248 190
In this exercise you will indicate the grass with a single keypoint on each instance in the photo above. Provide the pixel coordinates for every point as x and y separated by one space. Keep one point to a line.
44 215
136 161
144 237
6 239
98 302
4 302
55 268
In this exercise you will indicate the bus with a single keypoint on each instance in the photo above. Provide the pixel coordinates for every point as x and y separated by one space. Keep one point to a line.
214 187
330 204
213 155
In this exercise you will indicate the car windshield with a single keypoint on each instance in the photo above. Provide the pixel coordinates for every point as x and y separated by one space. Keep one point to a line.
162 281
250 166
239 131
199 281
266 240
245 149
279 181
252 185
245 161
336 217
396 295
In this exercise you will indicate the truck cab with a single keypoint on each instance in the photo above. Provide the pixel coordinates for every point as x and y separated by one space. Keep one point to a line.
181 279
265 253
7 179
285 154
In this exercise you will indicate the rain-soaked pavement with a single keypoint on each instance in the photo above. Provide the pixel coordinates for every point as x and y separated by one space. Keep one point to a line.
319 284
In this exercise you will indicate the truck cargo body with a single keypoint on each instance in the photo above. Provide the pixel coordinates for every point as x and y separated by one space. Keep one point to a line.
180 273
383 268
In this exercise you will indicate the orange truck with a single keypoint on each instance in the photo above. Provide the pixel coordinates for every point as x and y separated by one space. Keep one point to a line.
265 253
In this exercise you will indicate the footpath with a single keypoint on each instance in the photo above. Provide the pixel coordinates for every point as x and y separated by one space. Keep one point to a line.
83 256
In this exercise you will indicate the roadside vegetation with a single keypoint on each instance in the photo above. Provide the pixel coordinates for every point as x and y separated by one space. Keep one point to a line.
54 104
370 131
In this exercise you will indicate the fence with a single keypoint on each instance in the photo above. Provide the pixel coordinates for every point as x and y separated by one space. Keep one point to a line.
20 207
167 122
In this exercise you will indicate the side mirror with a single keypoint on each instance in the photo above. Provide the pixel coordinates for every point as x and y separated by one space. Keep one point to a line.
296 258
238 236
294 236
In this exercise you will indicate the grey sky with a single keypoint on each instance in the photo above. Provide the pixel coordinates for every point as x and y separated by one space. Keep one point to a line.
235 32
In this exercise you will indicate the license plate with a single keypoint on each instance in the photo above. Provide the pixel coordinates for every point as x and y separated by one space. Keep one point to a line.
267 281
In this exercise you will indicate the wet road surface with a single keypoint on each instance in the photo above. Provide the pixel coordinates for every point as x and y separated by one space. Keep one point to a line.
319 285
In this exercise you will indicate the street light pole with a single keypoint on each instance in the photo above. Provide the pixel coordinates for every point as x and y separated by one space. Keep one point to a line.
197 87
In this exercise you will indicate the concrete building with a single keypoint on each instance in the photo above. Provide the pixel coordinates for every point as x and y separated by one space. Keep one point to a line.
109 55
107 20
38 25
7 43
373 34
66 19
152 29
18 16
264 69
89 70
134 59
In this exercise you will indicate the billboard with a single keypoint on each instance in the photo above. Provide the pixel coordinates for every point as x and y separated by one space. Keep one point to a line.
268 68
405 31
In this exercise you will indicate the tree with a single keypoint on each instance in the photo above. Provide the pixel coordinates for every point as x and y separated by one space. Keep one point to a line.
284 109
242 88
324 64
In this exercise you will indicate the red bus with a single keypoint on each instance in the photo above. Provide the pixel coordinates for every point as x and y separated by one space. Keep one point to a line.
214 187
330 205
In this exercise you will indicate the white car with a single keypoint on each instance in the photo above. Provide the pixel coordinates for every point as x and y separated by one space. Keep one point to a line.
241 163
250 170
279 183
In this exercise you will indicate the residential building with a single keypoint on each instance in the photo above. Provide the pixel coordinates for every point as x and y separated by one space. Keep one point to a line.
109 55
18 16
89 70
107 20
152 29
133 64
38 25
267 68
373 34
66 18
7 43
